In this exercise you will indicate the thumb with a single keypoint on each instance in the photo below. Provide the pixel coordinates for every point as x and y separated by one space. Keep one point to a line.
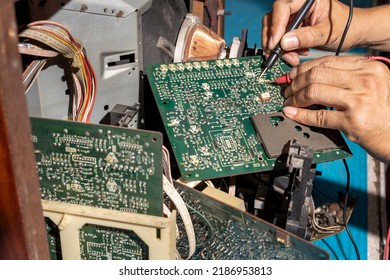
304 37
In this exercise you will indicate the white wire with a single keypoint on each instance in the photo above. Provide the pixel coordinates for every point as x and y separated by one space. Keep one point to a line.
175 197
31 74
167 164
321 229
179 203
30 49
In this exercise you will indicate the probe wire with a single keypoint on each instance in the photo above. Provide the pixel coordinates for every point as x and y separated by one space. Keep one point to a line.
346 28
344 161
346 197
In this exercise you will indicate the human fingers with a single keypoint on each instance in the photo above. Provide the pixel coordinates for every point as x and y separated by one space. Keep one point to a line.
293 57
280 16
365 119
266 31
318 118
326 95
306 37
313 70
328 84
323 28
322 75
331 61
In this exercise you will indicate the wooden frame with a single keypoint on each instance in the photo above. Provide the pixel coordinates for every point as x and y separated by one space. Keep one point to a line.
22 229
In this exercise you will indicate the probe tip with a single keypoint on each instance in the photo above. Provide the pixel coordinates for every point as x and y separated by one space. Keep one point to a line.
262 73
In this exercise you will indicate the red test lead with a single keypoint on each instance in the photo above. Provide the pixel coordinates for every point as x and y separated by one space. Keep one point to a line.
285 79
380 58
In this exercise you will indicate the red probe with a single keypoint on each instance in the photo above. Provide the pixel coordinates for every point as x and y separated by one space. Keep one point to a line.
380 58
285 79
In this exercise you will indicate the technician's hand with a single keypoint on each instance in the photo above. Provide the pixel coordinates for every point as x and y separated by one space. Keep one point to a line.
322 28
359 90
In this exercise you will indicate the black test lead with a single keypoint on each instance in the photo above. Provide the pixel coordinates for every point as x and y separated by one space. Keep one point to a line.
277 51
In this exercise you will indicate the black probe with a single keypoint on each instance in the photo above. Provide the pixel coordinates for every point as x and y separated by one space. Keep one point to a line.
277 51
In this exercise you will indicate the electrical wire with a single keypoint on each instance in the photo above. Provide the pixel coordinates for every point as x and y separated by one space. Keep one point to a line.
346 197
346 28
316 226
47 39
380 58
179 203
31 73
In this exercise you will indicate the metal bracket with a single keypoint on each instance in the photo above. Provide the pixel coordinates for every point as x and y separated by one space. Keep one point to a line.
121 115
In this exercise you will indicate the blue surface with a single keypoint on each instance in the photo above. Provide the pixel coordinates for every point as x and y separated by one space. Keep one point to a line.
246 14
334 179
249 14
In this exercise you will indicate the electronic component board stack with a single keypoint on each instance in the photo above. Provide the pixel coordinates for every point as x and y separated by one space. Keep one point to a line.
102 186
101 190
102 198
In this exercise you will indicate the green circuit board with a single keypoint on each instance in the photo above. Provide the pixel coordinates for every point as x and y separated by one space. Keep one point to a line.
226 233
206 108
101 166
53 238
105 243
100 243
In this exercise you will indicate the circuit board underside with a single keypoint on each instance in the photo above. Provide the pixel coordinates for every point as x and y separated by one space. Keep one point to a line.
100 166
206 108
226 233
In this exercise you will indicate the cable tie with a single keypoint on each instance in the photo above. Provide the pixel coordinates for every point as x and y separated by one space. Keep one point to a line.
76 63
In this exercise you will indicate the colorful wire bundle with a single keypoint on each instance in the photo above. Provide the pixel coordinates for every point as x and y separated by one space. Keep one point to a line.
49 39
